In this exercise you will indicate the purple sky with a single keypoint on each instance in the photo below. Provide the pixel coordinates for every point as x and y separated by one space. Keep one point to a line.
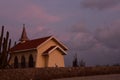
90 28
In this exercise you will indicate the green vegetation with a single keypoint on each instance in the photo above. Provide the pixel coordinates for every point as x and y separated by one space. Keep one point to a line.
77 63
5 44
56 73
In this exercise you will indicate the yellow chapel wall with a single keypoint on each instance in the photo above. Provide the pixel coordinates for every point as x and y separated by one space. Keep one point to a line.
20 54
56 59
40 62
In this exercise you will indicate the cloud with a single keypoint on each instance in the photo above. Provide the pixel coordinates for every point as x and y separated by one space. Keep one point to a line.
116 8
41 31
109 36
100 47
99 4
25 12
15 13
37 13
79 28
82 41
80 38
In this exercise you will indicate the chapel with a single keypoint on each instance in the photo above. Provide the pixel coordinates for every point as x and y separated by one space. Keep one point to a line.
38 53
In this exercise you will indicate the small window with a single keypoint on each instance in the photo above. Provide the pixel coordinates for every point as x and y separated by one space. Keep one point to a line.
23 62
15 62
31 62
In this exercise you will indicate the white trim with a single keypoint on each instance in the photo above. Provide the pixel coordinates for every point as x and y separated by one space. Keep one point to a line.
44 42
55 40
60 43
55 49
24 50
62 50
52 50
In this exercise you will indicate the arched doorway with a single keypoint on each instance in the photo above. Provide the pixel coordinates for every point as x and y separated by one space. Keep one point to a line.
15 62
23 62
31 62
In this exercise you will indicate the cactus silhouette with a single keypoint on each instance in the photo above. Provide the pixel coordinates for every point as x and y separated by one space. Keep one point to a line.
5 44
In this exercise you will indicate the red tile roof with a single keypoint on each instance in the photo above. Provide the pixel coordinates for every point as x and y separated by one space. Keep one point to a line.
31 44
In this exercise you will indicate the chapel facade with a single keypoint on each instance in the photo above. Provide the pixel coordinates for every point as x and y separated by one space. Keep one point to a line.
38 53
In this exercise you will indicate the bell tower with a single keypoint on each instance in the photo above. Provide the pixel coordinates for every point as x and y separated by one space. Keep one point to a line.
24 35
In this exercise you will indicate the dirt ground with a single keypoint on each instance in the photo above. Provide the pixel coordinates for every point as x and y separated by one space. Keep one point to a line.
99 77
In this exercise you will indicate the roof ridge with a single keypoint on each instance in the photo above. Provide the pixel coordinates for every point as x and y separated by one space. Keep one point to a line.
40 38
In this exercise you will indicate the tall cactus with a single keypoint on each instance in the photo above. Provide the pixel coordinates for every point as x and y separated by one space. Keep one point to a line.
5 44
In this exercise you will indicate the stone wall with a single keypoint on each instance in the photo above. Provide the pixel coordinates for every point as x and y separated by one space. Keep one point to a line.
52 73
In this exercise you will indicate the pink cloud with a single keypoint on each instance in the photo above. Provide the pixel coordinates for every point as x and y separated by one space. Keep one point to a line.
116 8
29 12
37 13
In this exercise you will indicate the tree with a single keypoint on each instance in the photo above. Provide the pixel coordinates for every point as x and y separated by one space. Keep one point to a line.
82 63
75 61
5 44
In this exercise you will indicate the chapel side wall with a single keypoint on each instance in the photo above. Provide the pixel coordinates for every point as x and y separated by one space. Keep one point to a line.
40 59
56 59
20 54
